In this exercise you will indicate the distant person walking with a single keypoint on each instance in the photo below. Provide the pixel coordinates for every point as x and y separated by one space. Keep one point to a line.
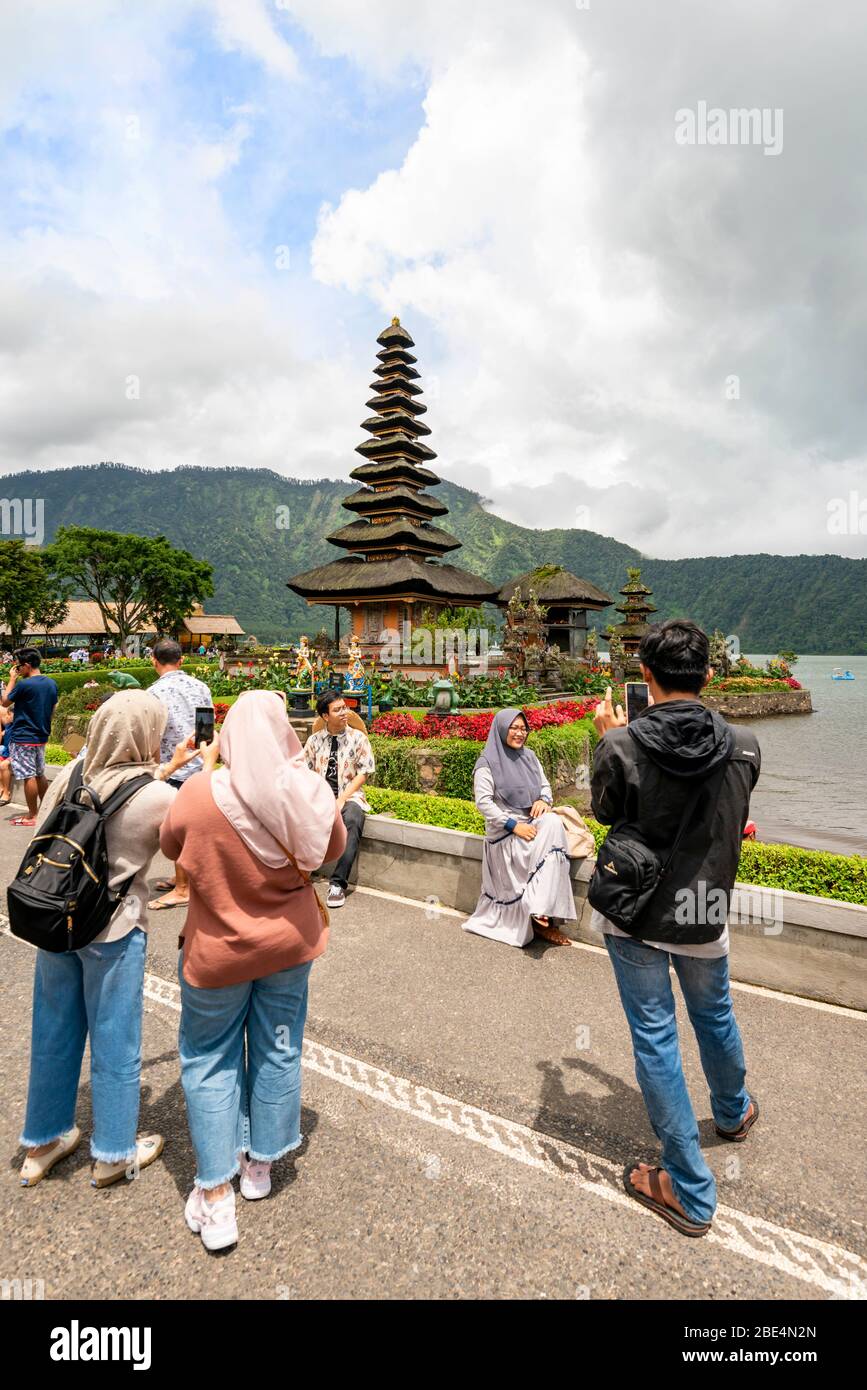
676 781
180 694
95 993
343 756
248 835
33 697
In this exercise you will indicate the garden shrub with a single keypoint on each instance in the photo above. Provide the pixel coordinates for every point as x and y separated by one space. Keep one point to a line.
445 811
78 704
55 754
841 877
73 680
396 768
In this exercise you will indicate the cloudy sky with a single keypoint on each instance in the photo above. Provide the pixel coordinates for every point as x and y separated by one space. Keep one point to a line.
209 209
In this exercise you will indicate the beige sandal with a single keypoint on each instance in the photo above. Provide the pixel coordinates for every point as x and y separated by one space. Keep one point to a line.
147 1148
34 1168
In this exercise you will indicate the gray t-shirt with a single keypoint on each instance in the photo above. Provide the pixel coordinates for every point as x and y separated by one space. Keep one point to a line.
705 950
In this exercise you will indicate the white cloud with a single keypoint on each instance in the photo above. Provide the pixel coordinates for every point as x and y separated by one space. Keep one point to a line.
246 25
590 285
580 286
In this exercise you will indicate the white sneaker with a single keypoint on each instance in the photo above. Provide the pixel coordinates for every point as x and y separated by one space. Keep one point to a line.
213 1221
336 896
255 1178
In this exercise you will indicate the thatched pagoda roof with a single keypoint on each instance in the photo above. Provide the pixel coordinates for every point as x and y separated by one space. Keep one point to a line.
552 584
401 497
407 577
367 535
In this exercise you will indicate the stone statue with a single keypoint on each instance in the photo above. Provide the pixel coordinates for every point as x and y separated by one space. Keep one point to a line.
616 656
355 679
303 667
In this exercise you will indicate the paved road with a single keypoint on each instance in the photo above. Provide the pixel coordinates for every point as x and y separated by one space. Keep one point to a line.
467 1110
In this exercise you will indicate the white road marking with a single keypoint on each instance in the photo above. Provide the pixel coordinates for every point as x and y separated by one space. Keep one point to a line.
777 995
838 1272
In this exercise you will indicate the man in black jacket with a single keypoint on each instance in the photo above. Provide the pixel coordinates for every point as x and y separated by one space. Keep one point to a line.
679 767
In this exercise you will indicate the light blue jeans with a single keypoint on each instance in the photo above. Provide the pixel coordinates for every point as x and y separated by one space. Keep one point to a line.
96 991
238 1103
645 991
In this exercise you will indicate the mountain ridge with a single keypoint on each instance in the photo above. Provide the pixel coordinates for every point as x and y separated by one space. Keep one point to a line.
237 518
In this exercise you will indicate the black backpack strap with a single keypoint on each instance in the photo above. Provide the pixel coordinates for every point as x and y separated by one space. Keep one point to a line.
123 794
76 780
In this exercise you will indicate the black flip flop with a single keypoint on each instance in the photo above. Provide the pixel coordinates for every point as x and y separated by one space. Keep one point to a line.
657 1204
737 1136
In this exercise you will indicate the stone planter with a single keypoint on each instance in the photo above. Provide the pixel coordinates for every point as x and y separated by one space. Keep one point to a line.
761 704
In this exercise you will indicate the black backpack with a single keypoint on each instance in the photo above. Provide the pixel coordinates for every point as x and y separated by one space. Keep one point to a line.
60 899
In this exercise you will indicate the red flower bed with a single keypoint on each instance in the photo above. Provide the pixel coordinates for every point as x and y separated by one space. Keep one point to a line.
220 712
477 726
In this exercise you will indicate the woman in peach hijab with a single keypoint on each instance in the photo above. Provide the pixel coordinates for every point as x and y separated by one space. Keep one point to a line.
248 835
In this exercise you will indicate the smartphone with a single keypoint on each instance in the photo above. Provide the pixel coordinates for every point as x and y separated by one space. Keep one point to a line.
204 725
637 699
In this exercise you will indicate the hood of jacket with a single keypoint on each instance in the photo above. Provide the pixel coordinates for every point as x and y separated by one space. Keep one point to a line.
683 737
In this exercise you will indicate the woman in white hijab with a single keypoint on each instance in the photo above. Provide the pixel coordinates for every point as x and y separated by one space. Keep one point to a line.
525 866
96 992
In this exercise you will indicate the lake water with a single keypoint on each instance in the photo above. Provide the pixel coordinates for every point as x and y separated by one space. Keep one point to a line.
813 786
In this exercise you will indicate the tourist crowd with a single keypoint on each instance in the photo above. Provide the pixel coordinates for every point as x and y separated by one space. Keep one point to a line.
248 816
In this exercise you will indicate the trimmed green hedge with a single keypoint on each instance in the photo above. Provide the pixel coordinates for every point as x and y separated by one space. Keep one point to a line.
55 754
73 680
814 872
446 811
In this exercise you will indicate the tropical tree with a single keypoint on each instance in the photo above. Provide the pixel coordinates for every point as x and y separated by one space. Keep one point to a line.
133 579
31 596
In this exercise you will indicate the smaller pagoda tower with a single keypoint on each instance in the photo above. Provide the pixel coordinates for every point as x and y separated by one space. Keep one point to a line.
636 607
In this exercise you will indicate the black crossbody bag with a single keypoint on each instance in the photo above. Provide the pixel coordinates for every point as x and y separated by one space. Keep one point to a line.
628 872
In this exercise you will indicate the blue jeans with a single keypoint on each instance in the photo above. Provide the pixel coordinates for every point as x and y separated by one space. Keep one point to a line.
642 974
237 1103
96 991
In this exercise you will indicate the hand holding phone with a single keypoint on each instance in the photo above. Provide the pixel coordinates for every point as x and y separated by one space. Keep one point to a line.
204 731
637 699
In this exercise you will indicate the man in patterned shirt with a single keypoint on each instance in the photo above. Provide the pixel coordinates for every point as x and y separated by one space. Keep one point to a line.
344 757
180 694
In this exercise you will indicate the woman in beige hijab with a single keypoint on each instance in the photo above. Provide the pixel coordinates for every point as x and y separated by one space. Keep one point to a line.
96 992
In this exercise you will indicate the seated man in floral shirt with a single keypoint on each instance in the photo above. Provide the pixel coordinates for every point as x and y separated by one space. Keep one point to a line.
344 757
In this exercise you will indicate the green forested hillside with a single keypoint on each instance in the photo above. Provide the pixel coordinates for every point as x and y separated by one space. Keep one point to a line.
813 603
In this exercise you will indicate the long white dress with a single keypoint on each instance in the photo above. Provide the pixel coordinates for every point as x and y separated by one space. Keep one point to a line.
520 878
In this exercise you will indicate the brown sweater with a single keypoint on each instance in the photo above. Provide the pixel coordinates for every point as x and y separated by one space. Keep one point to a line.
245 920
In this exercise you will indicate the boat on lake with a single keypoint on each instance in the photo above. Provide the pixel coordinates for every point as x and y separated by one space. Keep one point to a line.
838 674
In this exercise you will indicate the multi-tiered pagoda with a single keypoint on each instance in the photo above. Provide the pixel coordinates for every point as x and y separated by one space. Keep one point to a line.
636 609
393 571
